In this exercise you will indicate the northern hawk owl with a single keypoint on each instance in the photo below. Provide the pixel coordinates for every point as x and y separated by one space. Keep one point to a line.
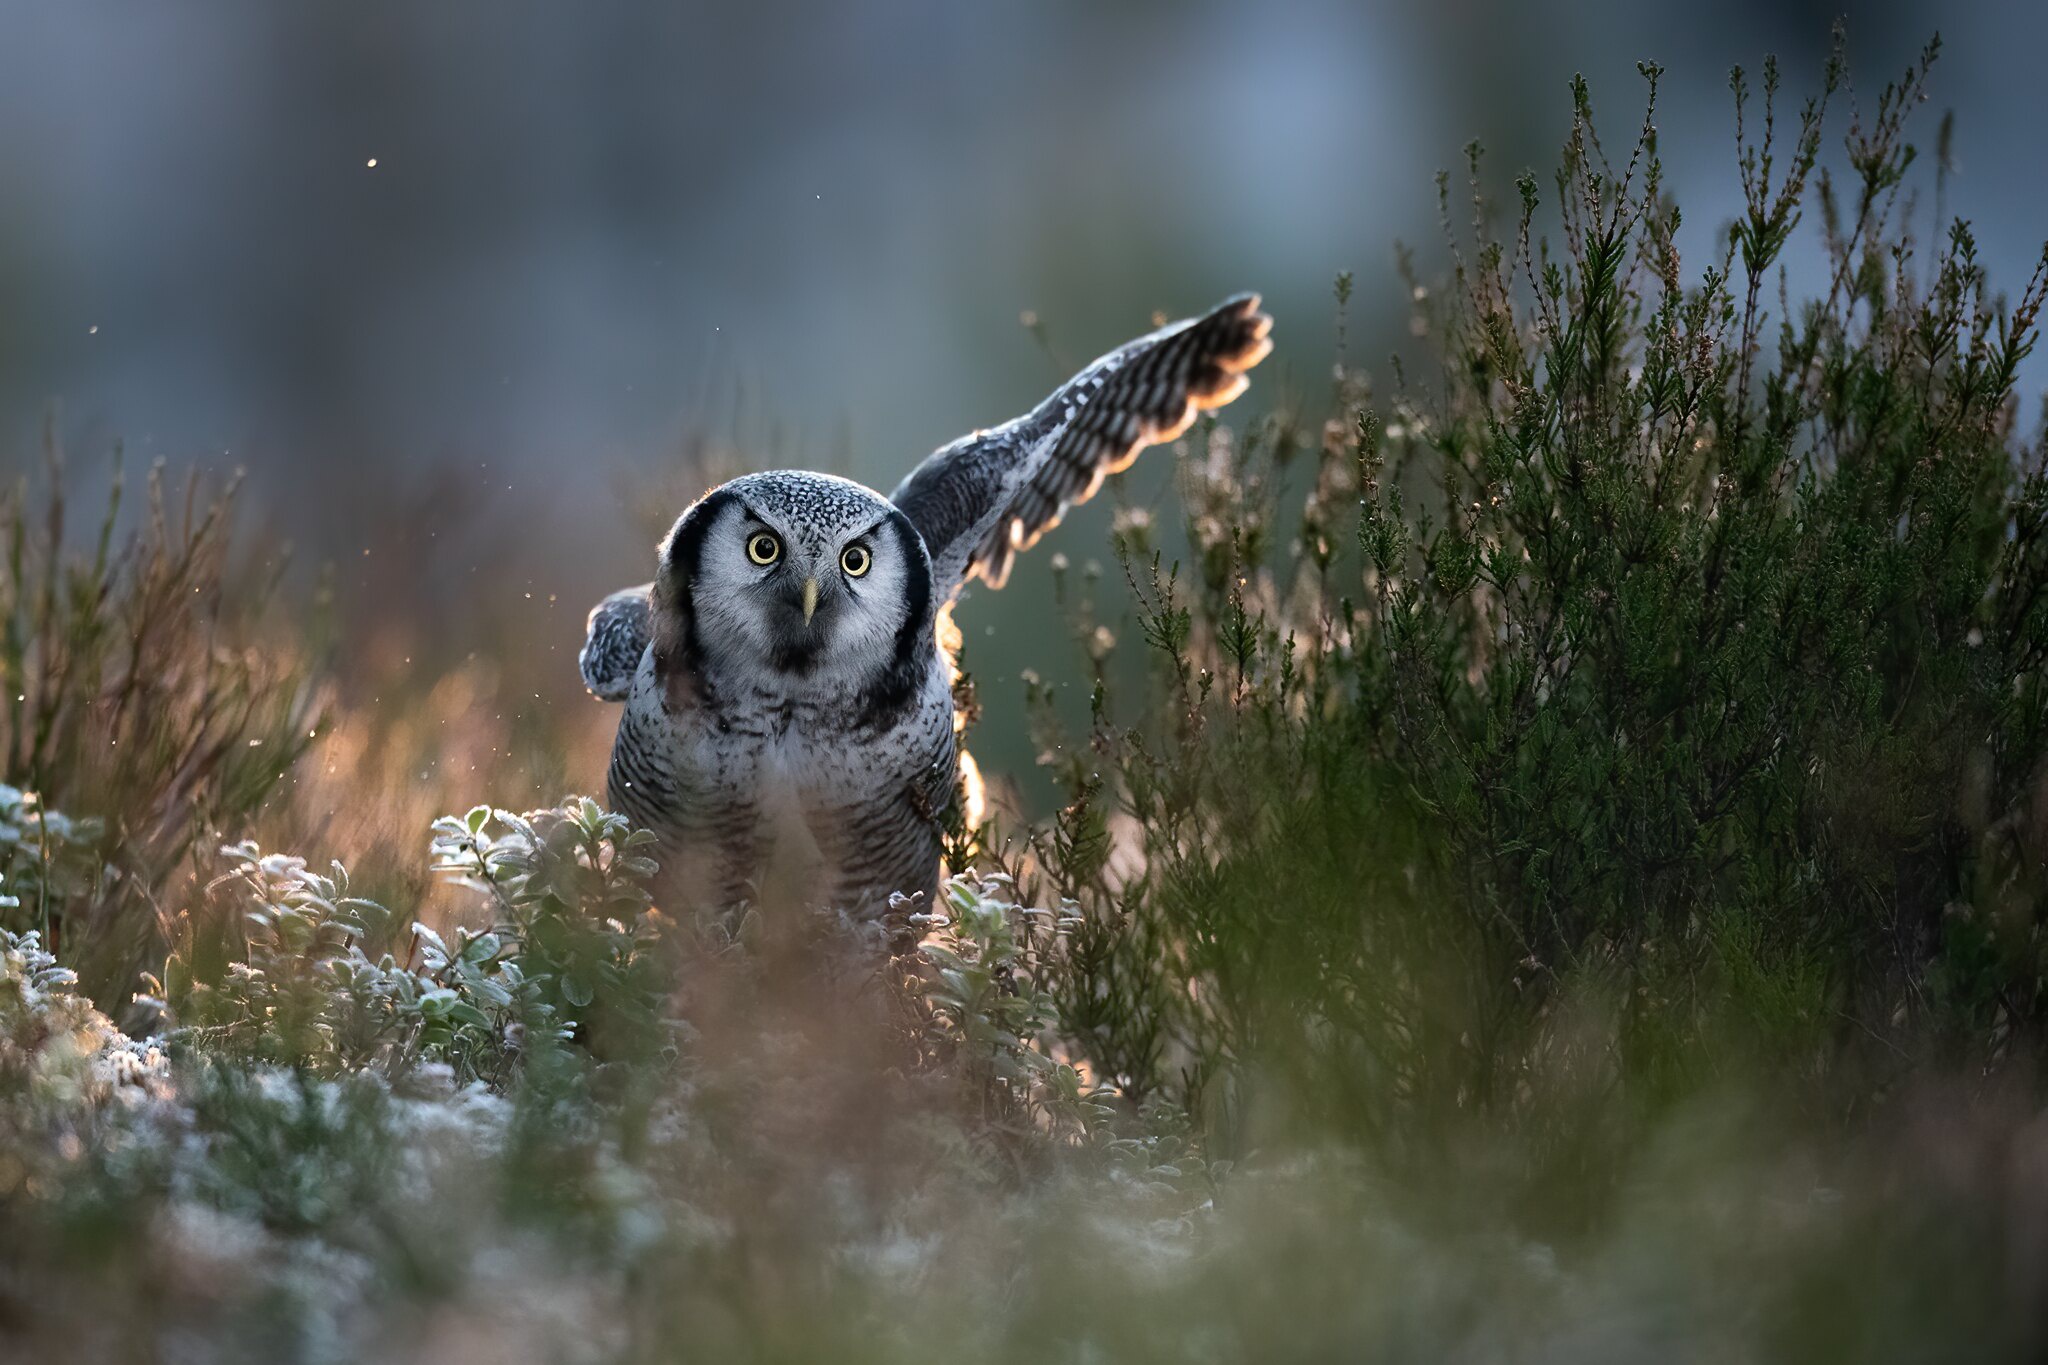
789 708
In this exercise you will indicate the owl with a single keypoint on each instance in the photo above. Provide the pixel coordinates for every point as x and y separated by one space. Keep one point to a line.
789 730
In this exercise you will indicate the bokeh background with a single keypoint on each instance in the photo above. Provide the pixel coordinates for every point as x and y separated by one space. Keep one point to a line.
480 293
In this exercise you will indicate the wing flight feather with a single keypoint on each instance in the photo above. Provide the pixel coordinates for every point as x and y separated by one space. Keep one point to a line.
985 497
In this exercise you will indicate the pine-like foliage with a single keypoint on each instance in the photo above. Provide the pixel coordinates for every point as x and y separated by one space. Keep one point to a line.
1652 690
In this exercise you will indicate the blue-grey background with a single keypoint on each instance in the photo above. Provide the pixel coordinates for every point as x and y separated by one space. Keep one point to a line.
597 234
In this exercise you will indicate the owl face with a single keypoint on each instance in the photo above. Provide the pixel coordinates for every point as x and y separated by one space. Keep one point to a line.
792 581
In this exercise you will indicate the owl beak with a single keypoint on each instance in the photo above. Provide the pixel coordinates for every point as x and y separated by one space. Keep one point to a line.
810 599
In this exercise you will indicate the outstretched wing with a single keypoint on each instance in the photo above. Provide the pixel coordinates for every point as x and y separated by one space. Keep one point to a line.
617 637
980 500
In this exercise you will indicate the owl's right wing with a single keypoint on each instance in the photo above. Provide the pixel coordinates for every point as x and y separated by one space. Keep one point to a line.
616 637
980 500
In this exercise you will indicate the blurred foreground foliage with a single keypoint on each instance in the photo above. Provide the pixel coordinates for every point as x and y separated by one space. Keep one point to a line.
1573 889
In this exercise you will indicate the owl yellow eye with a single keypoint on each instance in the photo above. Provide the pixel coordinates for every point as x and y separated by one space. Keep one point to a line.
763 548
856 560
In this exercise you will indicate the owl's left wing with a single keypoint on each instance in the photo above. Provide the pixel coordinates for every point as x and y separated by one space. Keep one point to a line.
980 500
616 637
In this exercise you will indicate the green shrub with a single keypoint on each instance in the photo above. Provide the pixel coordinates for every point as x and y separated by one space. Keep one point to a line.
1651 700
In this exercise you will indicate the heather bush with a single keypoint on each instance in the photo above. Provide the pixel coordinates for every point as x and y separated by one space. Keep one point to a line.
1649 698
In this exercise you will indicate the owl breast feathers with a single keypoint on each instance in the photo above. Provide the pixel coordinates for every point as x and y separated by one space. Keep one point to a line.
788 730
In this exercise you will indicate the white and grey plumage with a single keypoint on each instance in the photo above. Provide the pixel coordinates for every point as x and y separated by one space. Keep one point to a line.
789 729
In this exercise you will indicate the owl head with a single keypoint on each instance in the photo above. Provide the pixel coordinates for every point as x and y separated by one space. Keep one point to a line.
792 582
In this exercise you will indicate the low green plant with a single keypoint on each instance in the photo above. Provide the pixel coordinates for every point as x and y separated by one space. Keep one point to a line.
987 1017
573 917
47 859
570 951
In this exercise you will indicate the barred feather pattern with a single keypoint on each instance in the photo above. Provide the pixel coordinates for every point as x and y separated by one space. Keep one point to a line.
761 799
614 639
984 498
